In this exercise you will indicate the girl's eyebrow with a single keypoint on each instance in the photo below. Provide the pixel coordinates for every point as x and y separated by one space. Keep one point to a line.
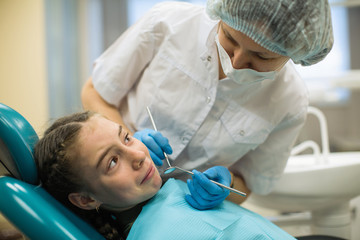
102 156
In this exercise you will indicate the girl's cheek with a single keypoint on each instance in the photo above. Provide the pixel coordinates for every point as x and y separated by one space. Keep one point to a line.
145 150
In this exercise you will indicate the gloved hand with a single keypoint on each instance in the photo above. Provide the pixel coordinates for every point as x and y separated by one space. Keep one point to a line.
156 143
205 194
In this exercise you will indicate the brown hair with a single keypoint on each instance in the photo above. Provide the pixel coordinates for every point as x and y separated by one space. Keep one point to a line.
55 154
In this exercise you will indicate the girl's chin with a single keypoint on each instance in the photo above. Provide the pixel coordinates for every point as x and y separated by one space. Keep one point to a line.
157 180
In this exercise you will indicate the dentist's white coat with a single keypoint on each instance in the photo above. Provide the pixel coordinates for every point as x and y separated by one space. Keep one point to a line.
168 61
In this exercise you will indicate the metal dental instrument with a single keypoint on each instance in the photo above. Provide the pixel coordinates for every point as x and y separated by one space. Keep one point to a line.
155 128
173 168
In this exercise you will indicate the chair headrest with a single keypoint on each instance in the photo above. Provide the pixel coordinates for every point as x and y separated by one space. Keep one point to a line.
17 140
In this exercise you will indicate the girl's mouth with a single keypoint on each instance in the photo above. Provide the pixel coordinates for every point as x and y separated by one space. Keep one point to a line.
150 172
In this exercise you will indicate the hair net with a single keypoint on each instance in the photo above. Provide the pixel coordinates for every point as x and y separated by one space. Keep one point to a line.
299 29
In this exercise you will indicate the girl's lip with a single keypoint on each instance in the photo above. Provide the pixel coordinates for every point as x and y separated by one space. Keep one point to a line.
149 173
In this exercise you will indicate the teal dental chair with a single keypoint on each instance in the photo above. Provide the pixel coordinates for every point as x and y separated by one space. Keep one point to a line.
22 199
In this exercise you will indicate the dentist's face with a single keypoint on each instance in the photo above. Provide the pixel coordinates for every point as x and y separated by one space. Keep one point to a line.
246 53
116 167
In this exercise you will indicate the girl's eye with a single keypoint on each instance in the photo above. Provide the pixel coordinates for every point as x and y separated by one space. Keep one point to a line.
127 138
113 163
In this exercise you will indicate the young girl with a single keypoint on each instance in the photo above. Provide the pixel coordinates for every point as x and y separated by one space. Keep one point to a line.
78 160
107 177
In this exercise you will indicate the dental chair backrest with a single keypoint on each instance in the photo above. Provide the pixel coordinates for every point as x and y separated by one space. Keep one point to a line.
22 199
17 139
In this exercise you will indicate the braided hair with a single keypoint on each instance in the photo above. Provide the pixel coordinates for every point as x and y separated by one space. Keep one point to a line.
54 154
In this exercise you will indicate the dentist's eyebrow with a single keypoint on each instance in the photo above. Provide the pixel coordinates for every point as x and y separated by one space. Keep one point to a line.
264 54
227 34
102 156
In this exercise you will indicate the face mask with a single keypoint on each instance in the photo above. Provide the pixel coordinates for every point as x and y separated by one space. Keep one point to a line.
240 75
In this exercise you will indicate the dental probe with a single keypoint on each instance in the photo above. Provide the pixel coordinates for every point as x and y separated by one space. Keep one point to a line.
155 128
171 169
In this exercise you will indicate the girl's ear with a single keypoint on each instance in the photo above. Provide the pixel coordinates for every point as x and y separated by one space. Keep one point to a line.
83 201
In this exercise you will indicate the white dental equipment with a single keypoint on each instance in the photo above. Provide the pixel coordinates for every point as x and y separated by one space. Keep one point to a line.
173 168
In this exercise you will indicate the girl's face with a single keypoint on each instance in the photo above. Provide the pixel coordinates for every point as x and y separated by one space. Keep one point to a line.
245 53
117 169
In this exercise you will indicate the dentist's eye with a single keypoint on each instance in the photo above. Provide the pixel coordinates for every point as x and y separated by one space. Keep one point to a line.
262 57
230 38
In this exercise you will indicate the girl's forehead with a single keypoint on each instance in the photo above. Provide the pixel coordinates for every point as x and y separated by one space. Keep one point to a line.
97 124
96 134
92 138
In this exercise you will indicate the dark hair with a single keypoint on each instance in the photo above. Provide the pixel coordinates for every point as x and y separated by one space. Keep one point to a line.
55 154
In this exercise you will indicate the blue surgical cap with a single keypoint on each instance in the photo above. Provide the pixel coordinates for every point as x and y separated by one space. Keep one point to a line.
299 29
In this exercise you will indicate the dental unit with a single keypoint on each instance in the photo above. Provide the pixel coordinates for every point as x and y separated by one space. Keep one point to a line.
322 183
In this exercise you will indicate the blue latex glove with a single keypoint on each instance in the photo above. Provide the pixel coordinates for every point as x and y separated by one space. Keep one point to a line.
205 194
156 143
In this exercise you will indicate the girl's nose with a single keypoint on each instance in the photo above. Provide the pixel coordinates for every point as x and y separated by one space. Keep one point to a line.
137 158
240 59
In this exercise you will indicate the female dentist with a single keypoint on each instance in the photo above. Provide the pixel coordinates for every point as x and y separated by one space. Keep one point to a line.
219 84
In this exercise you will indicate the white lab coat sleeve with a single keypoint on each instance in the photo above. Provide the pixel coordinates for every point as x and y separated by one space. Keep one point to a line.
263 166
121 65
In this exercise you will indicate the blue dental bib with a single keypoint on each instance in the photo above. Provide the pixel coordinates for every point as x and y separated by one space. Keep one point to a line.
169 216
